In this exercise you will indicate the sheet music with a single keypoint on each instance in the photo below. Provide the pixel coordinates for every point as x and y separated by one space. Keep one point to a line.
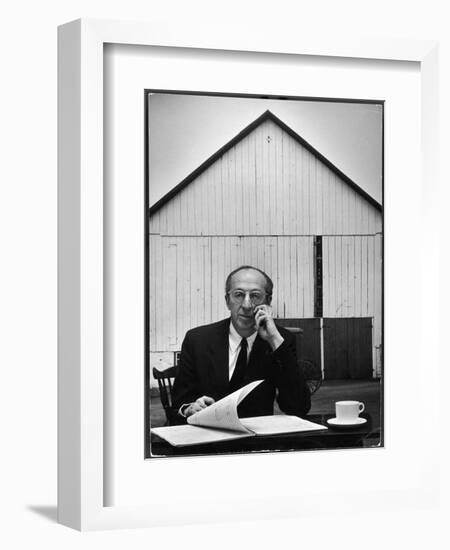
279 424
223 413
180 436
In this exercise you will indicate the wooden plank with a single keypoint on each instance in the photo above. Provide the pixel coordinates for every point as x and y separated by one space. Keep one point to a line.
371 275
358 277
259 182
351 277
333 206
222 274
194 281
293 294
212 212
326 280
325 276
252 184
153 223
214 278
178 292
359 214
299 267
326 201
184 213
334 364
287 276
274 271
289 196
332 277
279 182
168 311
269 179
366 347
310 275
312 210
298 193
308 189
189 206
307 277
153 262
225 196
159 267
210 201
293 308
378 294
258 248
207 277
338 206
319 196
344 196
364 278
245 182
337 276
345 275
239 198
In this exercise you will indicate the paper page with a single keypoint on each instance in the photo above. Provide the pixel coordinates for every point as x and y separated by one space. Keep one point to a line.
223 413
180 436
279 424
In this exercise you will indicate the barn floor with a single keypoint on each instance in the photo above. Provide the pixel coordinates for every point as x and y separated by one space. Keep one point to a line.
367 391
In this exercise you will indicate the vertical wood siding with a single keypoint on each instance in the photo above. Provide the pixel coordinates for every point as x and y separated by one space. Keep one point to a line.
187 280
267 184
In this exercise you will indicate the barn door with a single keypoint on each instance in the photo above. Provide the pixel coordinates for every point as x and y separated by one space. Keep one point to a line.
308 346
347 346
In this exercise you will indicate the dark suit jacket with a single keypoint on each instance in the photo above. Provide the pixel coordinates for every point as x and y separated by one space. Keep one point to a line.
204 371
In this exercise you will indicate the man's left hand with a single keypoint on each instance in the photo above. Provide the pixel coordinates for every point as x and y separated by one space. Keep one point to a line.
266 327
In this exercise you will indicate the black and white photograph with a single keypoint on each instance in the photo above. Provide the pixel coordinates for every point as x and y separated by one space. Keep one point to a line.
264 274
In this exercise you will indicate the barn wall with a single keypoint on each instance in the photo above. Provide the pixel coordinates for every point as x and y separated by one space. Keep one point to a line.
267 184
187 278
352 282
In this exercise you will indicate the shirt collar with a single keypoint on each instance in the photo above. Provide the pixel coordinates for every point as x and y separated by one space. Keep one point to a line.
235 338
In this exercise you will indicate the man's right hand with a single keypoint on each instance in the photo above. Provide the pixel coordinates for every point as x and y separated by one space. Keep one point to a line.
198 405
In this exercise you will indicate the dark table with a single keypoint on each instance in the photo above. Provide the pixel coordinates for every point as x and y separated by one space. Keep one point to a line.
365 435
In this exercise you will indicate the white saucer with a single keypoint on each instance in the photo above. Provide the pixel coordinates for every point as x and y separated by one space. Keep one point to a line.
346 424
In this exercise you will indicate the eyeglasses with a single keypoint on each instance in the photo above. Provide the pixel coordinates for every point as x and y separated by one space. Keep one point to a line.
256 298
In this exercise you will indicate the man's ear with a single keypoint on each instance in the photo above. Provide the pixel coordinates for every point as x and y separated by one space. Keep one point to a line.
227 300
269 300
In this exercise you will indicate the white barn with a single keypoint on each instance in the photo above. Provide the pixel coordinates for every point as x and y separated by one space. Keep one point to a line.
269 199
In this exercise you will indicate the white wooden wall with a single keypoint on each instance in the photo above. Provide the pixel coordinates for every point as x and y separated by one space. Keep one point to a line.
267 184
352 279
262 203
187 280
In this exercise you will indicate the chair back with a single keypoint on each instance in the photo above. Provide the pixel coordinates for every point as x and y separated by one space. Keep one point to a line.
165 380
311 372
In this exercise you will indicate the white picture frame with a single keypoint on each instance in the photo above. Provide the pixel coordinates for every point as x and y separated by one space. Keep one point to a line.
82 483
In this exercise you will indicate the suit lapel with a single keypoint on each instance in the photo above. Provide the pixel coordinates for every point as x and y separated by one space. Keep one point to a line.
218 346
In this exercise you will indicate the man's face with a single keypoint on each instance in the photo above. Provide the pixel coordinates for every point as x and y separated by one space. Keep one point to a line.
244 283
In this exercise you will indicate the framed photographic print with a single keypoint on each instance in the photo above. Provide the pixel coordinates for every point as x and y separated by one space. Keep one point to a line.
252 191
208 183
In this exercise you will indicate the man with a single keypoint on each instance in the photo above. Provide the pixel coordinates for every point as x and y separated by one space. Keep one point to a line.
219 358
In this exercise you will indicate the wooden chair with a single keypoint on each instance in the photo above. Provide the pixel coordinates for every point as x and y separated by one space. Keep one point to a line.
312 374
165 380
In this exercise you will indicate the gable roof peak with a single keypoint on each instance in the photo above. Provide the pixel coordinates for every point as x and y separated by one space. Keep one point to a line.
266 115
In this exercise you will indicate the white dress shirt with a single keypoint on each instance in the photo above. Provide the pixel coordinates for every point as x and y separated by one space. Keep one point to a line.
234 347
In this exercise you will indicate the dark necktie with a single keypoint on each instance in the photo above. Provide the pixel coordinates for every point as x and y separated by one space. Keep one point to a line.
241 364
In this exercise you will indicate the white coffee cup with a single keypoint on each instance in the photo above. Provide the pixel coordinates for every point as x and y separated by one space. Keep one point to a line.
348 411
